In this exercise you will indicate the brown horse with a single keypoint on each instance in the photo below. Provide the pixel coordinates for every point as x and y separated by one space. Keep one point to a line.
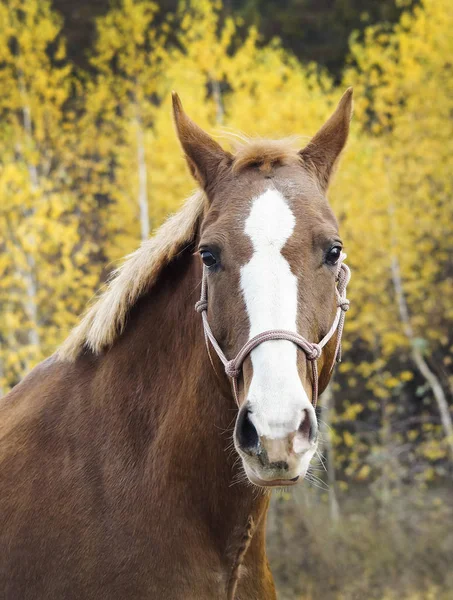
118 477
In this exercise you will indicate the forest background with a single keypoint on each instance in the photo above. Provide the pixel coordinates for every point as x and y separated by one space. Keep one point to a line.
90 166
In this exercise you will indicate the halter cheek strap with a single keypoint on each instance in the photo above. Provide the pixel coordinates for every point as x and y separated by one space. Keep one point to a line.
312 350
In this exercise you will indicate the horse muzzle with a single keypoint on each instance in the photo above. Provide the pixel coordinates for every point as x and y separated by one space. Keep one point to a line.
276 461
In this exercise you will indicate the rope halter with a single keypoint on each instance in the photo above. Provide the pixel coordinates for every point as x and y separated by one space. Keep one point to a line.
313 351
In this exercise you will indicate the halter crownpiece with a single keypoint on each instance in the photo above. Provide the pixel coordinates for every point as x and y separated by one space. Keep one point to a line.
312 350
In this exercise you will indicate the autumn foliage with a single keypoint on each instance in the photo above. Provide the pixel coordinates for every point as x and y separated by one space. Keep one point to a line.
90 166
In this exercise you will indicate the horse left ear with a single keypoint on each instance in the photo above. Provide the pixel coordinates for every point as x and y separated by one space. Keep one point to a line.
205 157
322 153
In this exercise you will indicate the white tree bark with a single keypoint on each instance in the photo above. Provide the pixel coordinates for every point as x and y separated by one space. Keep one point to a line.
327 408
29 275
32 302
416 353
32 170
142 183
418 358
217 94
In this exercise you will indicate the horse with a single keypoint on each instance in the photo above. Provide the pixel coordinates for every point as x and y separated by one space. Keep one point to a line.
137 461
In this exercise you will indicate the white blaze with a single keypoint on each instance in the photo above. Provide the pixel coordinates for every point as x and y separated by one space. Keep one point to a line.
276 394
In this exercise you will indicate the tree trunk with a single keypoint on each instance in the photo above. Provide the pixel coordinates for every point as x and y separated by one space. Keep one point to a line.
217 94
32 170
384 492
31 287
29 275
416 354
327 409
418 358
30 302
142 183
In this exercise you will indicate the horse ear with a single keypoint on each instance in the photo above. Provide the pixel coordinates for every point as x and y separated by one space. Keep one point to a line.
205 157
322 153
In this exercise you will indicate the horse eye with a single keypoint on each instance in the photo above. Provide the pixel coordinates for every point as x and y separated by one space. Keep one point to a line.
208 258
333 255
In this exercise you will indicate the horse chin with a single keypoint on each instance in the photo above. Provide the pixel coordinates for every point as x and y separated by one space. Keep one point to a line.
269 482
267 478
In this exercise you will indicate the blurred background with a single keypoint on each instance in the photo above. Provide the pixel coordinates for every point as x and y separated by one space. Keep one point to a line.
90 166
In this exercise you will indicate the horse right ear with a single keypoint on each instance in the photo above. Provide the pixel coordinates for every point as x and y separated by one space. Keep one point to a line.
322 153
205 157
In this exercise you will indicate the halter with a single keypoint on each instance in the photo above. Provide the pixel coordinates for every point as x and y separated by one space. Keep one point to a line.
312 350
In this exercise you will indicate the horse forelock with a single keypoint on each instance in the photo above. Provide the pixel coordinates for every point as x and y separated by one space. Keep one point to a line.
264 154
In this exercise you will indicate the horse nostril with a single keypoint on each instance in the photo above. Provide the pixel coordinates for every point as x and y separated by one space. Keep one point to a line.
308 428
246 434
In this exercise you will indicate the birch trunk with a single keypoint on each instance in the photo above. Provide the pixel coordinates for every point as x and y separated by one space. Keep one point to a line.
385 439
416 354
29 275
327 408
32 304
142 184
418 358
217 94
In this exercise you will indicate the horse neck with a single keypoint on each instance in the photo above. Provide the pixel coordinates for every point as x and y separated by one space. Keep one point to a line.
179 411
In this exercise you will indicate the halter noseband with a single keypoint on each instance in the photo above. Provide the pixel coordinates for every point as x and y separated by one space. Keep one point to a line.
312 350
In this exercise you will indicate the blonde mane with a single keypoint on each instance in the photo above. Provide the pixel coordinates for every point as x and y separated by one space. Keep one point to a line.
105 320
